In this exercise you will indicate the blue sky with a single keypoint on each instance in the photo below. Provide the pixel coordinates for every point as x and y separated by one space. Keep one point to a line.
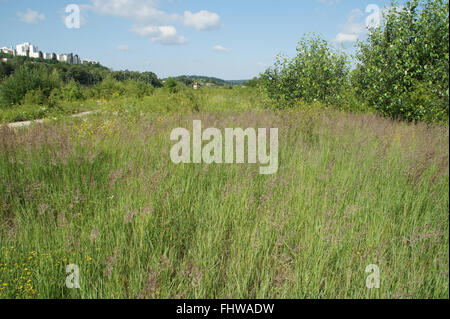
228 39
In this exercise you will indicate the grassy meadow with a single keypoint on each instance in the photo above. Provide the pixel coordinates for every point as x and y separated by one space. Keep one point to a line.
101 192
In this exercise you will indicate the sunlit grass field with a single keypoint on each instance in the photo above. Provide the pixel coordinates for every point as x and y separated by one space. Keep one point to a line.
101 192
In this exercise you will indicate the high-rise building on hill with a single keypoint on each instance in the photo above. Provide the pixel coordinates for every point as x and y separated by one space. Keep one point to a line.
29 50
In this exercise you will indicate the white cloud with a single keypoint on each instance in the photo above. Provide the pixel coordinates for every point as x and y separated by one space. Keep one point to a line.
345 37
151 22
122 48
143 11
220 48
202 20
163 34
352 29
30 16
354 24
329 2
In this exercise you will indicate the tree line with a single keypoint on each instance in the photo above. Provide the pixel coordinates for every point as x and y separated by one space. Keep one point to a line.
39 81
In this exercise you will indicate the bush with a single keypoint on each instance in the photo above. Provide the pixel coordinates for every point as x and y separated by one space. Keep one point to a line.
112 88
72 91
425 104
403 66
109 88
28 78
5 70
34 97
138 89
148 78
55 98
171 84
253 83
317 73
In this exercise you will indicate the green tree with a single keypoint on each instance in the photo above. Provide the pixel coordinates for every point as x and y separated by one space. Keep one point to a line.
317 73
171 84
5 70
28 78
72 91
109 88
403 66
253 82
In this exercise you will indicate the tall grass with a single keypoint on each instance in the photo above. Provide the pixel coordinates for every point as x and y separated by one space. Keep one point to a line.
102 193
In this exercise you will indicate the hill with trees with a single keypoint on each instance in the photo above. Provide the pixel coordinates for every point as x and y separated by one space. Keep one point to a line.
24 80
189 80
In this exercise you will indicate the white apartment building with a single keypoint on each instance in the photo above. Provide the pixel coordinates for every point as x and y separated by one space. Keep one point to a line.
76 59
32 51
66 57
23 49
49 56
8 50
28 49
89 62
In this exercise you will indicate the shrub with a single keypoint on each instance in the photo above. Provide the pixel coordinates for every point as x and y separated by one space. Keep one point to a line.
171 84
55 98
317 73
34 97
5 70
137 88
109 88
72 91
253 83
149 78
28 78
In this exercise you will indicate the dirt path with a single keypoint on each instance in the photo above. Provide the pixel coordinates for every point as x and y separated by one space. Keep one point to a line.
28 123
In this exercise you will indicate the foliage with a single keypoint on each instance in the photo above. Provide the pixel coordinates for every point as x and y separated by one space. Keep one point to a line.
403 67
72 91
317 73
138 89
172 85
108 88
189 80
84 74
36 97
112 88
28 78
5 70
145 77
255 82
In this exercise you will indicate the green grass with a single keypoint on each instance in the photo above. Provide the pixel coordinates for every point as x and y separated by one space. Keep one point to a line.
101 192
29 112
161 100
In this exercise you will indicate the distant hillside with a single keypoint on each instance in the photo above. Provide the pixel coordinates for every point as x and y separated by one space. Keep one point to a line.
85 74
203 80
237 82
